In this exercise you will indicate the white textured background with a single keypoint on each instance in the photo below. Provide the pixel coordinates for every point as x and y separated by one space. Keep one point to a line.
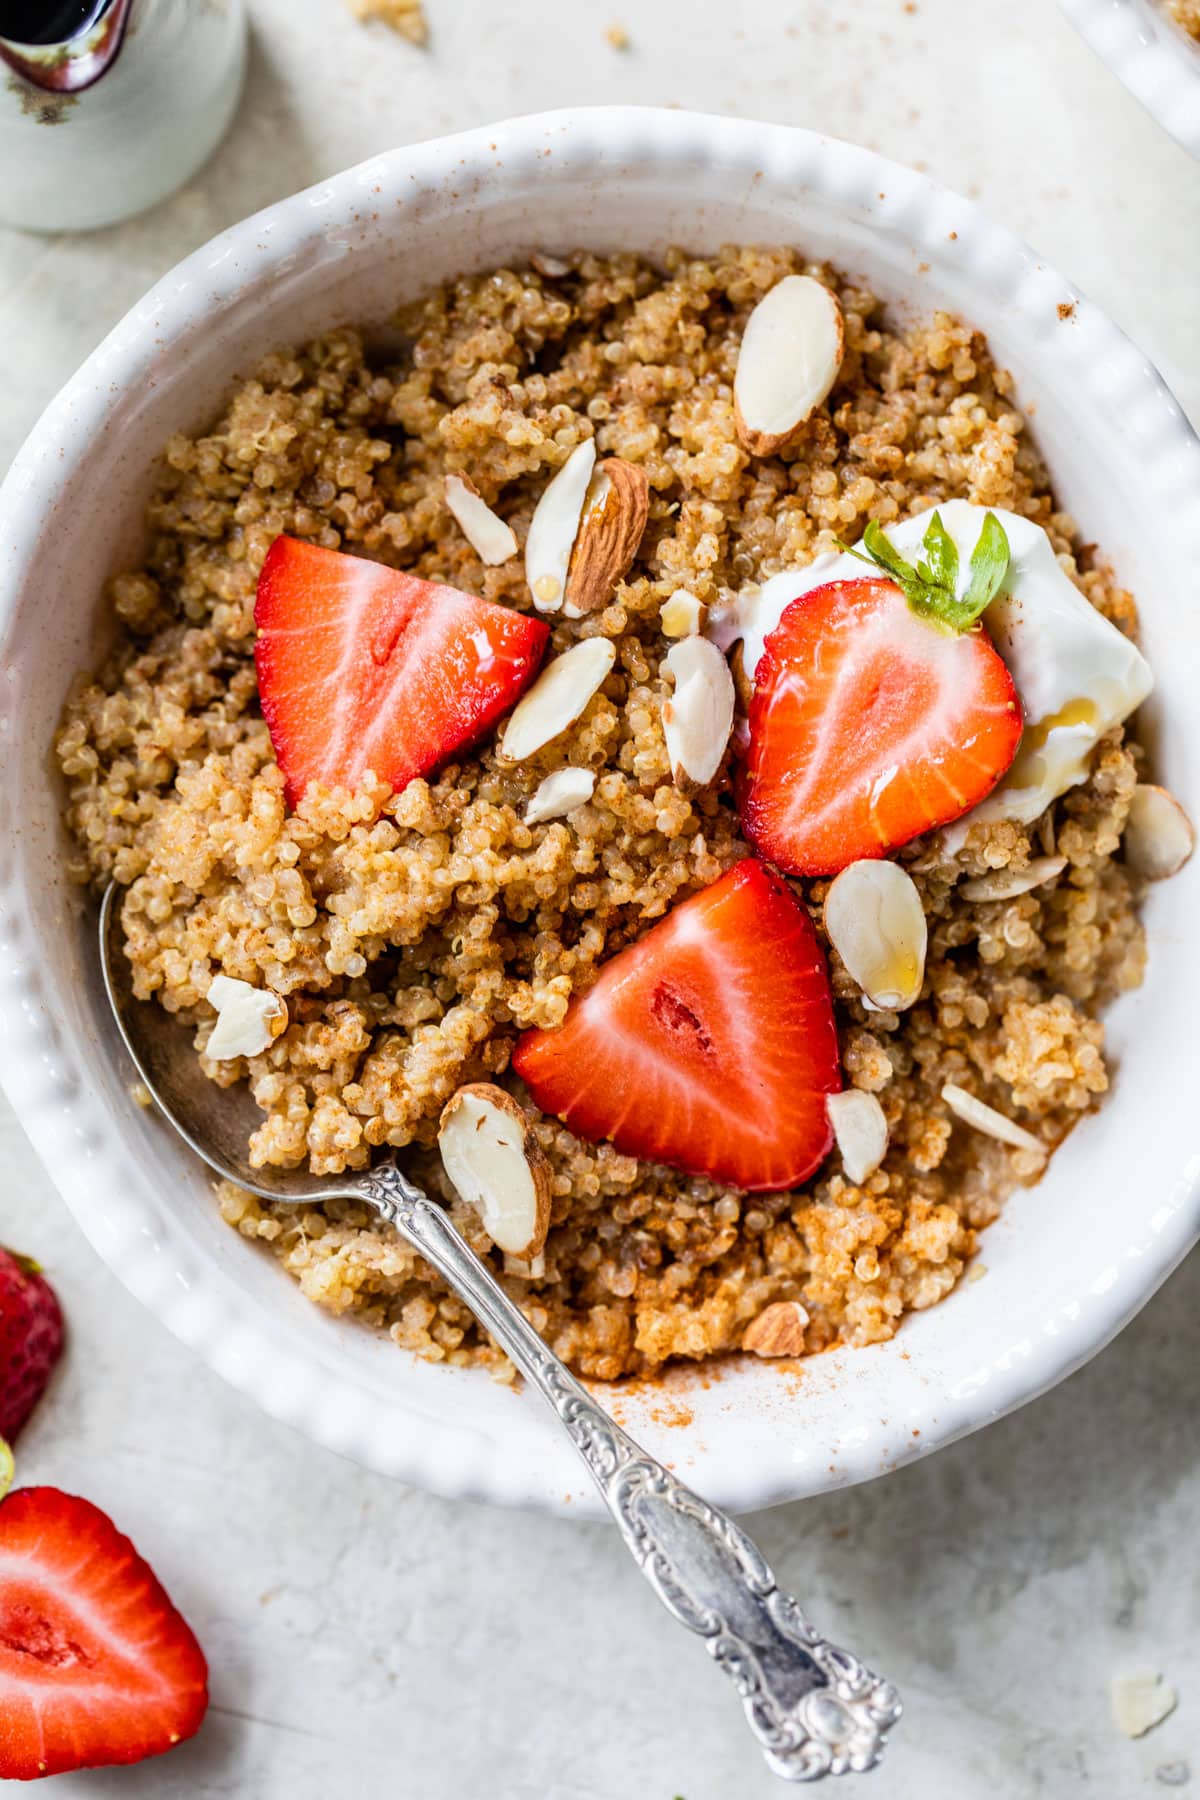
366 1638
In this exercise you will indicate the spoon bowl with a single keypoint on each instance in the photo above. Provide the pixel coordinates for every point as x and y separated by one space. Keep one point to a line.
213 1121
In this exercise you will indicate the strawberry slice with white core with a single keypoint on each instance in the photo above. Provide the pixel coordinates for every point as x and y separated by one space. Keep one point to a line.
362 667
869 726
96 1665
709 1044
881 708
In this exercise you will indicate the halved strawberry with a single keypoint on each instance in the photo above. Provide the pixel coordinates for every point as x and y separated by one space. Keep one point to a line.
709 1044
96 1665
31 1339
869 725
363 667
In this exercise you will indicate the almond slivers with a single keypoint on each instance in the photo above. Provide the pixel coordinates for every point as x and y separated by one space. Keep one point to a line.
495 1166
556 699
1159 837
488 535
876 923
682 615
554 526
1001 885
698 717
778 1330
790 355
560 794
249 1019
985 1118
861 1130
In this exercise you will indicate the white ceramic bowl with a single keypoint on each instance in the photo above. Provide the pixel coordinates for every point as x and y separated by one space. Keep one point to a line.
1153 56
1068 1264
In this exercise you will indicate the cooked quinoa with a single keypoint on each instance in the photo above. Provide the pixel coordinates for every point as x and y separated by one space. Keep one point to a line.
413 935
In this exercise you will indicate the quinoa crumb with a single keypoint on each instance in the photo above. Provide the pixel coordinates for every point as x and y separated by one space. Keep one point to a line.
413 935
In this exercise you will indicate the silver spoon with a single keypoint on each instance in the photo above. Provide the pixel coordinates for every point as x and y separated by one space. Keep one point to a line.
814 1709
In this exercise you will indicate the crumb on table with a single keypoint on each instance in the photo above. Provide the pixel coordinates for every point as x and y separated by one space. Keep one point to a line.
407 17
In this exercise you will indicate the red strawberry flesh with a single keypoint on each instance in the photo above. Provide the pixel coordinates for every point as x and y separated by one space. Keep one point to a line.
31 1339
869 725
96 1665
709 1044
365 667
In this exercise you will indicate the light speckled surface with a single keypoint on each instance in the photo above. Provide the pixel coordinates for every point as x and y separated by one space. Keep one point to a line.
361 1633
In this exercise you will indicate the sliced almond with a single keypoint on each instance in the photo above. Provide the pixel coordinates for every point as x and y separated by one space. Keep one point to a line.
552 267
614 516
1159 836
553 528
682 615
791 352
698 717
525 1268
973 1111
556 699
249 1019
861 1130
487 533
1140 1701
560 794
1004 884
490 1156
876 923
777 1331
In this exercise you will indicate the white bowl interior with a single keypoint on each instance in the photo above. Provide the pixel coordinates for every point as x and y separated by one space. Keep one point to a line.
1068 1262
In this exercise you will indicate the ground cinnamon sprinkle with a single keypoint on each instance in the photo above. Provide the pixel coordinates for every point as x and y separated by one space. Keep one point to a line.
413 935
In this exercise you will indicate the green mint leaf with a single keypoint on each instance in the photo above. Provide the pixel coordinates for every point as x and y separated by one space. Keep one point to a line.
989 566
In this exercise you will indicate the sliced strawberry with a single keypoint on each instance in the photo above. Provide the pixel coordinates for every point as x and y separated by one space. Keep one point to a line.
868 726
709 1044
363 667
31 1339
96 1665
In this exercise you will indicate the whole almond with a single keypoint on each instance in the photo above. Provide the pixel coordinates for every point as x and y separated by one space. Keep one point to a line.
777 1331
614 519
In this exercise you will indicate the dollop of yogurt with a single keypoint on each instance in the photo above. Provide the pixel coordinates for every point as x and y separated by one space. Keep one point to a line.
1077 675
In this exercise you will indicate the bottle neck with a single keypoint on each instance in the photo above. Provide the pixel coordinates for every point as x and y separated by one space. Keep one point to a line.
62 46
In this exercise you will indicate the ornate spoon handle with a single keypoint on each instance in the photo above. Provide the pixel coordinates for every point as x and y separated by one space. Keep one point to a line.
814 1709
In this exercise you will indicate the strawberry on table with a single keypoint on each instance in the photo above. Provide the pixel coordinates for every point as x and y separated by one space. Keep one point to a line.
881 708
364 667
709 1044
96 1665
31 1339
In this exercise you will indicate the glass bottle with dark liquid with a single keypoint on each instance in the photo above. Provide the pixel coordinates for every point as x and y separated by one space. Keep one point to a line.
98 121
44 22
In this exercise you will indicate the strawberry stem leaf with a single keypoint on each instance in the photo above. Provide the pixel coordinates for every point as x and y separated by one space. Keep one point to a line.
989 566
930 587
7 1468
941 570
